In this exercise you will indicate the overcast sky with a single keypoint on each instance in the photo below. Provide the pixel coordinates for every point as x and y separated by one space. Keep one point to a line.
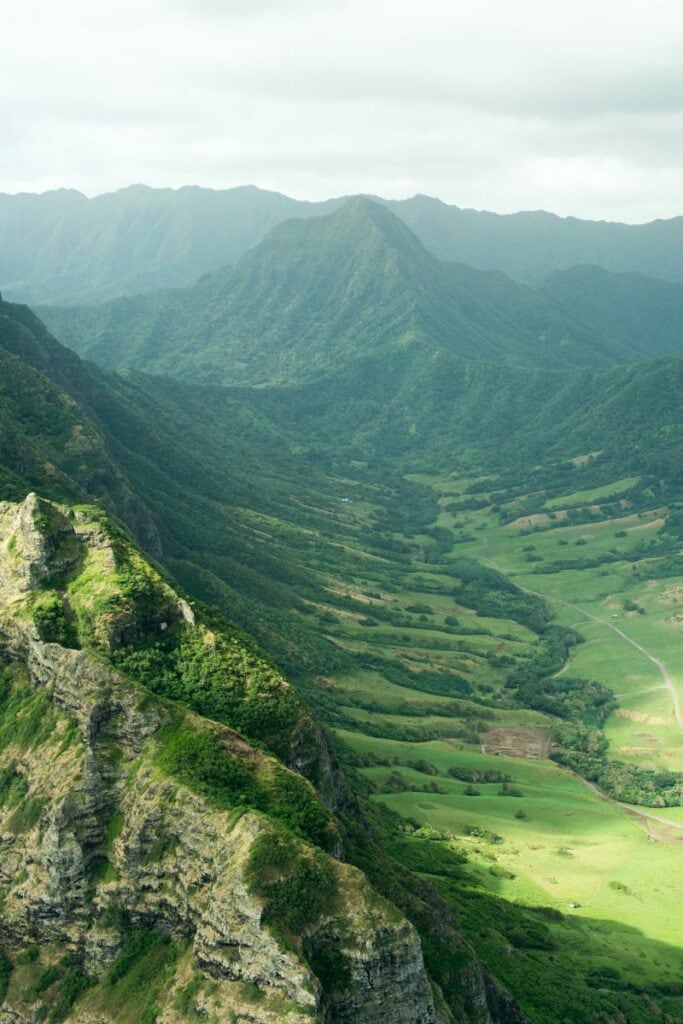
575 107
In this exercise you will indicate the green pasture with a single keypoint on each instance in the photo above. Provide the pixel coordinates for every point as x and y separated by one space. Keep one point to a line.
612 873
565 854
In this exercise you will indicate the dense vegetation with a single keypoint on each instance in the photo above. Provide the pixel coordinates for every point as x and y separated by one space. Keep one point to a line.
271 320
63 247
306 513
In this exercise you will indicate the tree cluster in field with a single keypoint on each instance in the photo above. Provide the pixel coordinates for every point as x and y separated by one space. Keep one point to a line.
490 593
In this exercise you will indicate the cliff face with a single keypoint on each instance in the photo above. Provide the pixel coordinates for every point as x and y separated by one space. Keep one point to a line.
134 886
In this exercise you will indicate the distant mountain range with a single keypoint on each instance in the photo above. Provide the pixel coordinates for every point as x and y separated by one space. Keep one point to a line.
318 295
61 247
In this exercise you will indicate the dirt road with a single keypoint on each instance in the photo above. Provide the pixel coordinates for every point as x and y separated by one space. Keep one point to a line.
667 684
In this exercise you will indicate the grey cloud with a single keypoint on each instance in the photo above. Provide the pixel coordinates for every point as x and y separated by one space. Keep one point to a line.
507 105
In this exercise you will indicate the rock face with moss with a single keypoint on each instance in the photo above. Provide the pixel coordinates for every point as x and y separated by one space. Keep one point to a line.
155 865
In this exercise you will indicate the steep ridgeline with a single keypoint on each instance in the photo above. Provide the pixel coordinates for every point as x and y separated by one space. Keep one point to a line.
318 295
49 438
64 247
216 473
531 244
61 247
153 863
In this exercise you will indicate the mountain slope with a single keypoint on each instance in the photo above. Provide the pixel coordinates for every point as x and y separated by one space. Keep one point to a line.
131 825
61 247
421 412
530 244
628 309
317 295
78 434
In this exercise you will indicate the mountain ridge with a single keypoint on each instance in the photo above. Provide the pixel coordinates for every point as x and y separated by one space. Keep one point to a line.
317 293
62 247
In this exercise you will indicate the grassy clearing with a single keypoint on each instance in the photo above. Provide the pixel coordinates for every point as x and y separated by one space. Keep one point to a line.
570 851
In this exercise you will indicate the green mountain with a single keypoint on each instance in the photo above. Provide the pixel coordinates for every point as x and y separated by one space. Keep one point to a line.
641 312
395 534
64 247
531 244
424 412
140 447
61 247
316 296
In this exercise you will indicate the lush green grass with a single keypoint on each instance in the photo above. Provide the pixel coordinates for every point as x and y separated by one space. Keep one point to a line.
568 850
604 591
592 494
573 851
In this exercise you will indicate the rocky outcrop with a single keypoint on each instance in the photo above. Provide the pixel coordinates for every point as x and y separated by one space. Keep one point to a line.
176 865
102 844
487 1002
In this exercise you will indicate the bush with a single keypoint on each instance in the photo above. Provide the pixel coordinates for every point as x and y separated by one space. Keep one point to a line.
5 972
483 833
54 622
203 763
71 987
299 886
507 790
500 872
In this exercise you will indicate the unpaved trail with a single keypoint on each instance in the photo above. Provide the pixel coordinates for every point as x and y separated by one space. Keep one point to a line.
664 672
636 693
634 812
667 684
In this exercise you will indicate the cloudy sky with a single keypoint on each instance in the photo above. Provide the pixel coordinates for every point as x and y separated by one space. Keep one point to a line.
575 107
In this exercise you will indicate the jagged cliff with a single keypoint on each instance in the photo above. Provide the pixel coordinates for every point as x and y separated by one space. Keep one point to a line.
154 864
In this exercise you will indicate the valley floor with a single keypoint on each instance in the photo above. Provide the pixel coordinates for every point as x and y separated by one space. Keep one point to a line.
555 840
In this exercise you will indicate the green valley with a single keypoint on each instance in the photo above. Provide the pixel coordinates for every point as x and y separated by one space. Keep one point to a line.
391 569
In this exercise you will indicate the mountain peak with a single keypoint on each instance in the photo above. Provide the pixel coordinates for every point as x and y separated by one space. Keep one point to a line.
369 210
362 223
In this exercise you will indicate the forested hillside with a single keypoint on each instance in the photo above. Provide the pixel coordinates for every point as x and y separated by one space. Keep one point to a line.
317 296
443 489
61 247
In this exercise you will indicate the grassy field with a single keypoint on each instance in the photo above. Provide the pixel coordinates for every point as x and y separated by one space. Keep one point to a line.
572 851
596 600
417 698
612 872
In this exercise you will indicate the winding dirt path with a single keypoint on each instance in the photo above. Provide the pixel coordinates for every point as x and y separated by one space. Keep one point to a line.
636 812
664 672
667 684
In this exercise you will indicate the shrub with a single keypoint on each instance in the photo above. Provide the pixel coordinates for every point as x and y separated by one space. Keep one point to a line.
54 622
298 885
500 872
5 972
